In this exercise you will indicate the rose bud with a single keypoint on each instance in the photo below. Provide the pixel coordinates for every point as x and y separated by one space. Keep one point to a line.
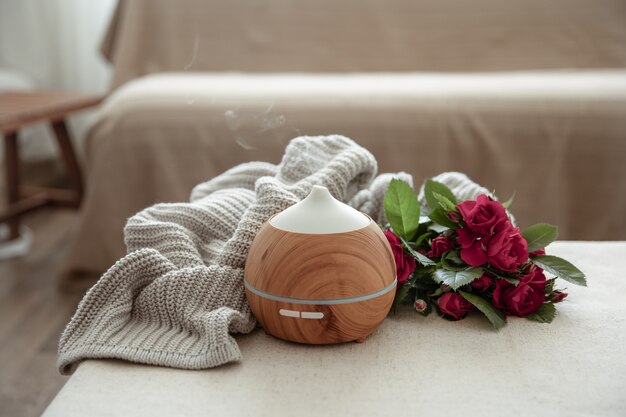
557 296
454 216
420 305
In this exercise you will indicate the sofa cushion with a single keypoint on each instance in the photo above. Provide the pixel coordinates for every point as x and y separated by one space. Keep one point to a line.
556 139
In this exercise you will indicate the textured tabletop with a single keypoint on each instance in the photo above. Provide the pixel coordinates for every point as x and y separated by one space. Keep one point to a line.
411 366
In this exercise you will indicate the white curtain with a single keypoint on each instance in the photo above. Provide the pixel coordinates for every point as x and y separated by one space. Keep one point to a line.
56 42
54 45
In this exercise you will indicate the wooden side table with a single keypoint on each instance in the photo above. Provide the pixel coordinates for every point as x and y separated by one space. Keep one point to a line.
21 108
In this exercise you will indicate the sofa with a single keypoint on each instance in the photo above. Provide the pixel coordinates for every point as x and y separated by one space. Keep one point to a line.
527 98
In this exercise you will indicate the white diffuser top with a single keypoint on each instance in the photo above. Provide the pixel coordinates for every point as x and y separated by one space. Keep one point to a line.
320 213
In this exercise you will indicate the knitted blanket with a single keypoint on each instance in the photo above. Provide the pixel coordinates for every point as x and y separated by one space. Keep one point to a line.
177 296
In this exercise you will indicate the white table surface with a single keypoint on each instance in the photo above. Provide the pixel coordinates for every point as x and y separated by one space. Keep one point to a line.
411 366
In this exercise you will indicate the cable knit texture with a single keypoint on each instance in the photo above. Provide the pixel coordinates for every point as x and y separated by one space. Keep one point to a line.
177 296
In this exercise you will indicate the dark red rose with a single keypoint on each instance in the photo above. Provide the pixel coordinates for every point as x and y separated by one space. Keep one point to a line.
489 236
557 296
536 279
454 305
455 217
473 250
507 250
537 252
405 264
521 299
439 246
483 283
482 215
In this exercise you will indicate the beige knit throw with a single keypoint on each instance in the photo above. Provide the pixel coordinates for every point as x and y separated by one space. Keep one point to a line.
177 296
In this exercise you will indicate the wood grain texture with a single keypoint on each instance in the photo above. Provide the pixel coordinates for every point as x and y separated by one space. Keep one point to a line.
324 266
18 108
341 322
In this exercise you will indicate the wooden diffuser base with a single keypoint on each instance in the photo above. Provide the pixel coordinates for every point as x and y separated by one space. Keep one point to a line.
320 288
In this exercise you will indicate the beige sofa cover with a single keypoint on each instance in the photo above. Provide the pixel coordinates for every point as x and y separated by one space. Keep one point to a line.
556 139
374 71
148 36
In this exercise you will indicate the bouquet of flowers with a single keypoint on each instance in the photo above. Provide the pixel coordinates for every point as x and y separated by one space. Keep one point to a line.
469 255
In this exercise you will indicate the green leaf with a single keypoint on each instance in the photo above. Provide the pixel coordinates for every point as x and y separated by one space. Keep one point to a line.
416 255
439 216
402 209
455 257
452 262
495 316
508 278
508 202
539 236
437 292
444 203
545 313
425 282
456 279
431 187
422 238
561 268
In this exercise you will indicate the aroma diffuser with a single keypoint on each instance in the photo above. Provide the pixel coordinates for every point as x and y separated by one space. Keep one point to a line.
320 272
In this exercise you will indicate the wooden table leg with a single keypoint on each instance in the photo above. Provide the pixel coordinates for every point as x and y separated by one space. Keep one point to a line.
11 157
69 157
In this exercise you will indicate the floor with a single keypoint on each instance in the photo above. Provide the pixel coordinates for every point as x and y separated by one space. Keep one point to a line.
33 313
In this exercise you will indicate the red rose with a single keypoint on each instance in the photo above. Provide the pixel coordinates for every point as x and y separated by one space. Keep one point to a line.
489 236
439 246
521 299
537 252
473 249
482 215
405 264
507 250
557 296
454 305
483 283
455 217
